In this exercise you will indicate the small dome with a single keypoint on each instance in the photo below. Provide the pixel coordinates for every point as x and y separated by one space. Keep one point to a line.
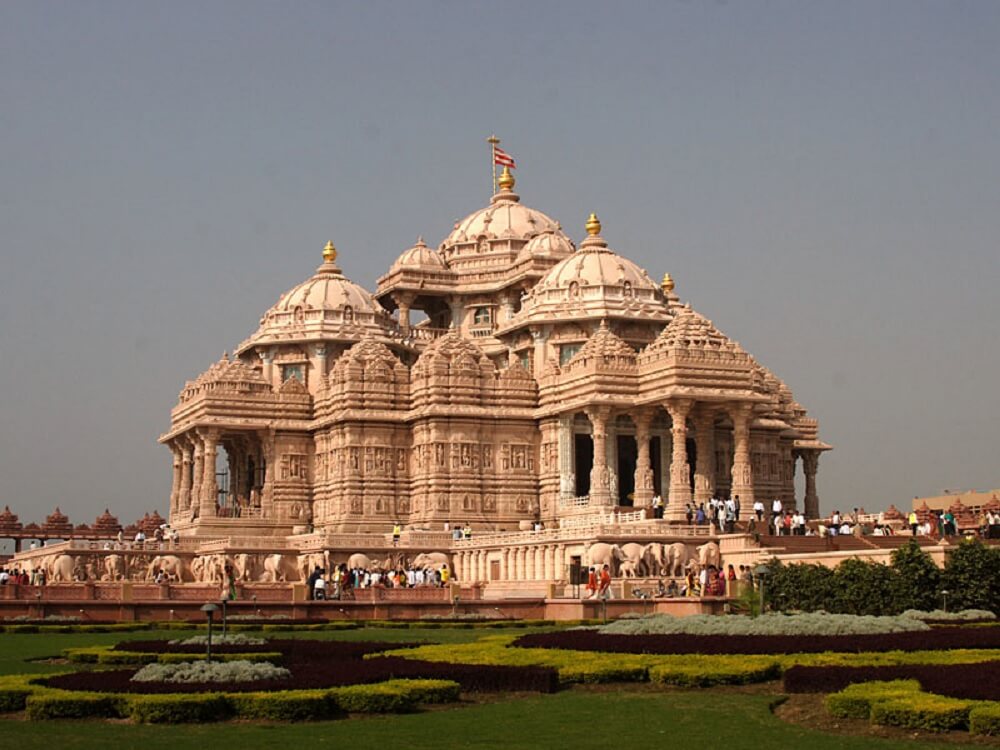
594 282
547 245
328 305
420 257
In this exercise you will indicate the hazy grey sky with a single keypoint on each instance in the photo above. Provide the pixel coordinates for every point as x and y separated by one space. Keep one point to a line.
821 179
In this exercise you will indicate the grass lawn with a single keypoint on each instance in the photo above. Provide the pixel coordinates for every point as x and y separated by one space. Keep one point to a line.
577 719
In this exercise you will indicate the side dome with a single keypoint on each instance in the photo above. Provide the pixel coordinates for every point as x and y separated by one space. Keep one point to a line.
549 244
420 258
594 282
325 306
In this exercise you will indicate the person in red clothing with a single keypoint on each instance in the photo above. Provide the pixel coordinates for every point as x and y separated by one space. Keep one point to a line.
591 583
604 591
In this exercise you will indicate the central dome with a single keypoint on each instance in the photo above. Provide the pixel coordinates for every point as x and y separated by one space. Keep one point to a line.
506 218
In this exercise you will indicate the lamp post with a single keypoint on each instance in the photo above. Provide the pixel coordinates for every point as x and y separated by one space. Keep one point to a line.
209 610
222 601
944 599
760 573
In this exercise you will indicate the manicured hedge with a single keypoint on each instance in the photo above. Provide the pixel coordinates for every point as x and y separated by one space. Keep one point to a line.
934 639
985 720
109 656
900 703
700 676
855 701
392 696
177 709
106 627
934 713
980 681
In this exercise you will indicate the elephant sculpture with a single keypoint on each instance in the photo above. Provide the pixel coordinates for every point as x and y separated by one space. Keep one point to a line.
360 560
172 566
676 559
708 555
278 569
634 562
114 568
308 562
433 560
62 568
601 554
244 566
656 558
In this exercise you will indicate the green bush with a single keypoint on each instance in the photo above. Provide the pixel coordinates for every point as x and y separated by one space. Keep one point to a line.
64 704
287 705
429 691
707 676
380 698
935 713
595 673
918 578
985 720
972 577
14 692
856 701
174 708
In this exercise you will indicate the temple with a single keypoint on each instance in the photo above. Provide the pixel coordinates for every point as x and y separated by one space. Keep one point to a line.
505 378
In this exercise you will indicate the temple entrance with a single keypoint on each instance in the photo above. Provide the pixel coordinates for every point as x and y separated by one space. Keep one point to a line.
628 455
584 461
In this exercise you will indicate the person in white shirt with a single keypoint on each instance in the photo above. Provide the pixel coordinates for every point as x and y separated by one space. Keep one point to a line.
758 509
777 508
319 587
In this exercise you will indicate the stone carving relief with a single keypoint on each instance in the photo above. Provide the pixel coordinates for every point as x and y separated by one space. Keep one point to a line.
294 466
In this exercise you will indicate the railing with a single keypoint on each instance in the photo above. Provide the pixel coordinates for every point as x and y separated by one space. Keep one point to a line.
574 502
426 333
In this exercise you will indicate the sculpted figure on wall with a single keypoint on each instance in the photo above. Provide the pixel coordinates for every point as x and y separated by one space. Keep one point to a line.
278 569
114 568
172 567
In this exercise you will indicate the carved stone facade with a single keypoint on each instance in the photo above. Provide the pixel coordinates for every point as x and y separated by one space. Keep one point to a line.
542 382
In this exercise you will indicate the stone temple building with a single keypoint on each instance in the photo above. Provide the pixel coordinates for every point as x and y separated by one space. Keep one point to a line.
503 378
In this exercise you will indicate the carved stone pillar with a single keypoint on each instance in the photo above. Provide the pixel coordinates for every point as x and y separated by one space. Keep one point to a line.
742 484
504 563
600 490
810 464
704 470
643 467
680 471
539 563
484 566
457 312
550 562
184 498
541 338
267 360
267 490
567 469
210 488
175 484
560 562
197 476
321 352
519 564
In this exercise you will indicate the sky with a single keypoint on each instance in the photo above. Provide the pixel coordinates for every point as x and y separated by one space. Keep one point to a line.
820 179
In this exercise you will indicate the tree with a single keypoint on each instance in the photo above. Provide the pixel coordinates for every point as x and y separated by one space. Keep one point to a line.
918 579
864 588
972 577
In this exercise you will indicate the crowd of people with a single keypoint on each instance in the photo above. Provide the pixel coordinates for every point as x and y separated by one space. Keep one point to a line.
341 581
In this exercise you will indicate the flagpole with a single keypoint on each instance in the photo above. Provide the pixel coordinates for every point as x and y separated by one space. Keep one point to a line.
493 141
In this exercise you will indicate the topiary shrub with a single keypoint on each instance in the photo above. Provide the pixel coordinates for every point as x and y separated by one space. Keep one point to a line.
856 701
290 705
173 708
63 704
380 698
985 720
710 675
935 713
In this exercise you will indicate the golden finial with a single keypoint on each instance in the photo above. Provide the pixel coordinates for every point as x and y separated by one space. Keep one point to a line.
329 252
667 285
506 179
593 225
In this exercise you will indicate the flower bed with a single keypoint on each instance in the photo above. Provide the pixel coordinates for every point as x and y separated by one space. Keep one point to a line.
772 624
316 665
932 639
980 681
201 672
